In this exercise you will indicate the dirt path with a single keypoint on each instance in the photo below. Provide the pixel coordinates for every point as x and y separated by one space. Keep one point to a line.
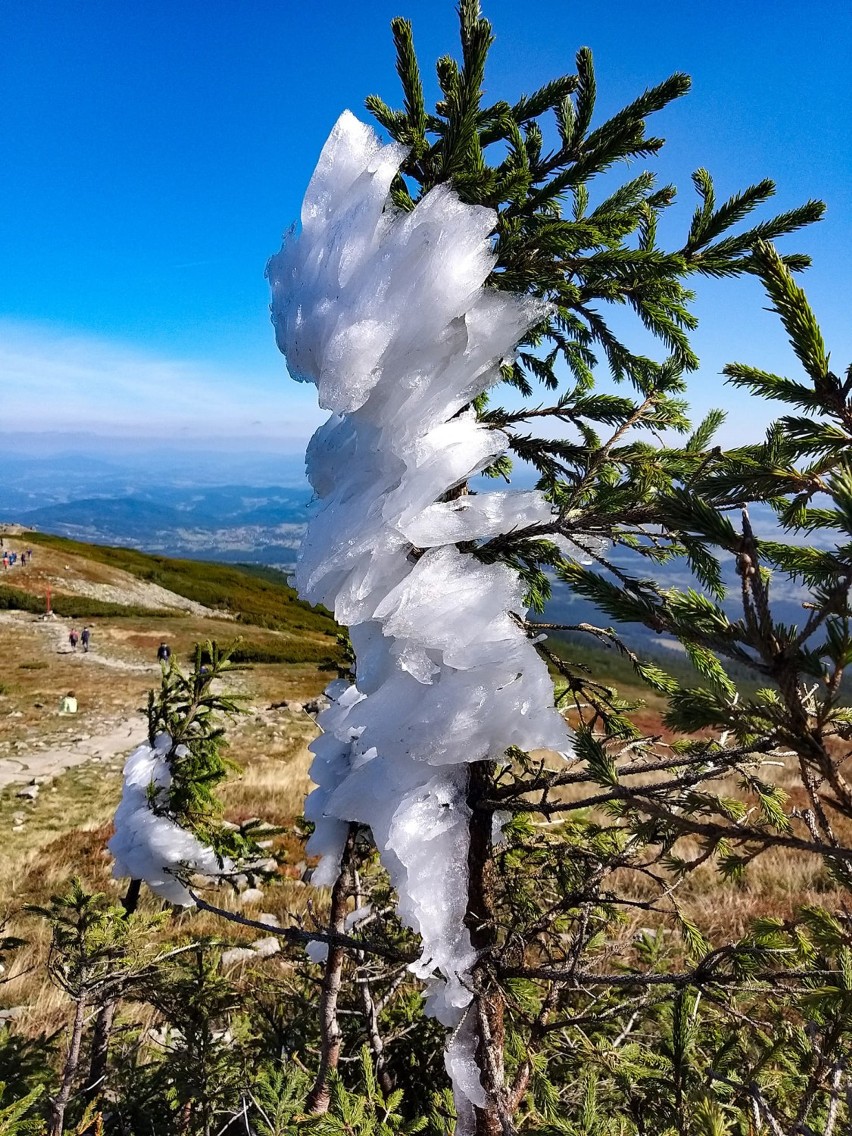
117 739
60 627
108 736
54 633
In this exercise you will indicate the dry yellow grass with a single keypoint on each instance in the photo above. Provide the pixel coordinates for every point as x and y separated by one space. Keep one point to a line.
64 832
66 829
777 883
40 669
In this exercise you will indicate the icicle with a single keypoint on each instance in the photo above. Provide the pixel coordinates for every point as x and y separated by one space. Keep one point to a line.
387 313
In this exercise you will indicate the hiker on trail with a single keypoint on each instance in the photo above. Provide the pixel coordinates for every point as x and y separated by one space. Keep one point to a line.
73 638
68 705
84 638
164 653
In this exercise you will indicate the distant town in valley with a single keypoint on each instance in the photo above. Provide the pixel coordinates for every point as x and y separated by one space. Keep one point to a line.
240 507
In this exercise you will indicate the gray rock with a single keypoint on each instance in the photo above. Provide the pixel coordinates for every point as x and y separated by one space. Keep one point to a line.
266 947
237 955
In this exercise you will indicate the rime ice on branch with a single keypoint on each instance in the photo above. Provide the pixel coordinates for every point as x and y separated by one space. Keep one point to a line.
387 313
148 845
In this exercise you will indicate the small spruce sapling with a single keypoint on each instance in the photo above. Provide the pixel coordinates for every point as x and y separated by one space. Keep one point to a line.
169 821
94 951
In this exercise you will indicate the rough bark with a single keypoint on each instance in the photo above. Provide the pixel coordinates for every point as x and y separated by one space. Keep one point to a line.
493 1120
331 1038
72 1060
99 1061
102 1033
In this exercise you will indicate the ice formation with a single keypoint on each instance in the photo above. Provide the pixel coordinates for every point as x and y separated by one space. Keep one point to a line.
151 847
387 313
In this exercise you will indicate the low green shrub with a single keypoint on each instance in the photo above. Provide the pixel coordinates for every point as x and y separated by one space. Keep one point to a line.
262 597
74 607
295 651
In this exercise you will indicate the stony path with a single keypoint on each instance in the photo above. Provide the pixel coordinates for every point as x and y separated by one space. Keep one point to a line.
37 764
60 627
34 759
40 760
55 632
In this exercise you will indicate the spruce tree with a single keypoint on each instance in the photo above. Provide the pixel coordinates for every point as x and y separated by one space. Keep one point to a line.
613 484
603 1004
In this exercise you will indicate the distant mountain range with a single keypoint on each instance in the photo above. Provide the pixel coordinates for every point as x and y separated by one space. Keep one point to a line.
261 524
160 510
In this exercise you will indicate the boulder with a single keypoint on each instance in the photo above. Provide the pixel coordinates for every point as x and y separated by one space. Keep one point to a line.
249 896
236 955
266 947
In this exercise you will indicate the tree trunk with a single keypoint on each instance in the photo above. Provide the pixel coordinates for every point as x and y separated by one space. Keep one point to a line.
480 921
331 1038
102 1033
131 899
60 1102
100 1050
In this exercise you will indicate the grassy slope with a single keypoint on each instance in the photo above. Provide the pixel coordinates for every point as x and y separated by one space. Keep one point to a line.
251 600
65 830
247 595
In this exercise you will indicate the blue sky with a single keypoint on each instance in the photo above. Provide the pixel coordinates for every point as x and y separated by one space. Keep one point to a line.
153 153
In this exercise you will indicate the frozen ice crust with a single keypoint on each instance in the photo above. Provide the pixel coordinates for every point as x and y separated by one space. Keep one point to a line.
148 845
388 314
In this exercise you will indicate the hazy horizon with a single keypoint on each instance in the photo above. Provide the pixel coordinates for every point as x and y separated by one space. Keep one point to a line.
154 156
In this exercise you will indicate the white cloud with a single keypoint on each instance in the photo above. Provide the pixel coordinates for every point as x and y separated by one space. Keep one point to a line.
56 379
